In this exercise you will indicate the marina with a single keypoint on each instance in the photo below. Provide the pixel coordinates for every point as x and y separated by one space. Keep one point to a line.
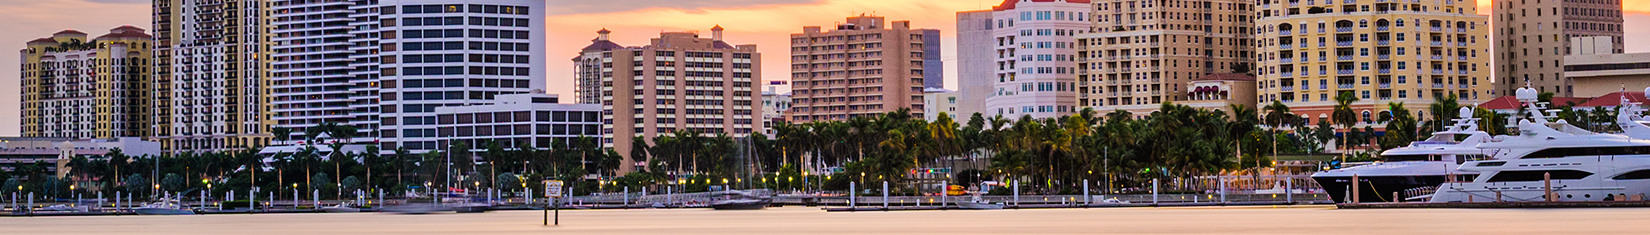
803 220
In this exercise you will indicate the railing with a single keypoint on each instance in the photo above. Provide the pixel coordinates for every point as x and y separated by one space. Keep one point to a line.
1437 57
1461 44
1344 57
1287 74
1344 72
1284 32
1288 88
1382 42
1381 28
1343 43
1386 85
1383 57
1437 43
1437 71
1436 85
1286 46
1286 60
1463 86
1344 86
1343 29
1436 29
1385 71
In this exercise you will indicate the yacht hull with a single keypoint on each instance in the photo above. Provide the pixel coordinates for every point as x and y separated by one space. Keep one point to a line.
1375 188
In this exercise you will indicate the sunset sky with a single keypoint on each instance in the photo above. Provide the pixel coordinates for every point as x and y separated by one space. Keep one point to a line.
572 23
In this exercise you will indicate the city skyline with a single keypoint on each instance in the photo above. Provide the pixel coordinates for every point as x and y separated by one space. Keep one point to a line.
766 23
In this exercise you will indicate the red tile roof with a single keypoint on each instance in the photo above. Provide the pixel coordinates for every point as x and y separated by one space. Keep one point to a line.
1009 4
1501 103
68 31
42 40
1614 99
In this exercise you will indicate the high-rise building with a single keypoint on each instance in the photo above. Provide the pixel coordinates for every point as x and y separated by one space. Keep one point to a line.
211 74
1143 53
976 58
1532 38
933 59
1034 57
383 67
1379 51
862 68
77 88
679 82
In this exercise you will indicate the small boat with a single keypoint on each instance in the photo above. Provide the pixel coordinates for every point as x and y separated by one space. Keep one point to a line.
417 209
470 208
64 208
742 200
344 207
979 204
162 208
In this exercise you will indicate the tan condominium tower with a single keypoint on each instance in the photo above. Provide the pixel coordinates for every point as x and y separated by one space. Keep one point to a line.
1381 51
1533 36
1141 54
212 73
680 82
862 68
77 88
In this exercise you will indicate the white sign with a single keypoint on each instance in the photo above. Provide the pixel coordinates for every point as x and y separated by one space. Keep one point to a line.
552 188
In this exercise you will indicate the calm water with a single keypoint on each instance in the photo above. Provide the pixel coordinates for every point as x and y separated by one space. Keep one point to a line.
798 220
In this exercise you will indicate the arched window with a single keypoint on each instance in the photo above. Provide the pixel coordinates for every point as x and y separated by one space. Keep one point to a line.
1363 23
1400 23
1366 117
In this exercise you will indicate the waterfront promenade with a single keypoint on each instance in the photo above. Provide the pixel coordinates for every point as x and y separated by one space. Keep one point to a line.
807 220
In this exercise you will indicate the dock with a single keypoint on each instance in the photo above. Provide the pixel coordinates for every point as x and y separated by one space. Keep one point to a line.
1493 205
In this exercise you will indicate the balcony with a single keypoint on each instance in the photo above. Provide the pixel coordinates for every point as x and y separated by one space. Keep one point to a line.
1343 43
1383 57
1437 57
1287 74
1463 86
1385 71
1383 43
1435 85
1344 72
1437 43
1461 72
1284 32
1343 30
1343 86
1344 58
1386 85
1286 60
1286 46
1288 88
1437 29
1437 71
1461 44
1381 28
1460 30
1349 1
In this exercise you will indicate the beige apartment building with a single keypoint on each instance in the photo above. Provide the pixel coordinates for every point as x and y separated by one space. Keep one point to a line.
1220 92
212 71
1529 35
862 68
77 87
1382 51
1143 53
679 82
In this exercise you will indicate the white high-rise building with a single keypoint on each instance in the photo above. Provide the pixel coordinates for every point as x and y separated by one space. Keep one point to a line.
384 66
1035 57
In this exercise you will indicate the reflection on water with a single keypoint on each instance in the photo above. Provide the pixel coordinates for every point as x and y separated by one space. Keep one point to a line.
795 220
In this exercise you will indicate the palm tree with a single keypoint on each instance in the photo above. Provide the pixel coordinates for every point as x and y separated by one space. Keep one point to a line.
1277 115
1345 117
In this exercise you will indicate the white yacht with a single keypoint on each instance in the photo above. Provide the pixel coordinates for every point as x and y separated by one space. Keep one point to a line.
1411 171
1582 166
